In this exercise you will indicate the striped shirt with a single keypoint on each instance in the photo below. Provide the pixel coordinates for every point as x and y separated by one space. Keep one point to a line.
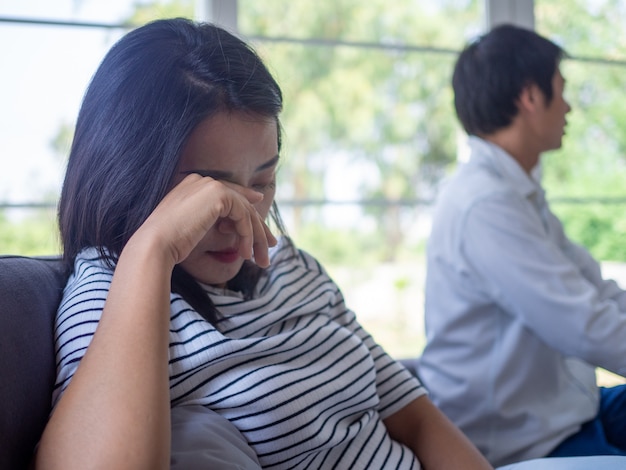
291 368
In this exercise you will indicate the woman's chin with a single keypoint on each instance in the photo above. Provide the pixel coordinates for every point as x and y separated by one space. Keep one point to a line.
214 273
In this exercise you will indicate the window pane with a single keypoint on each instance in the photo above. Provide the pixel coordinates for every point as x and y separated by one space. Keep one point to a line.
585 178
439 23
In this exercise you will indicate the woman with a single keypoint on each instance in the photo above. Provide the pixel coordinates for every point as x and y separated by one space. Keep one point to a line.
182 305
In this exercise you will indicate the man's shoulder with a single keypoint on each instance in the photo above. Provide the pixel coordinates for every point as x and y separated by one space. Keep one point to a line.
472 183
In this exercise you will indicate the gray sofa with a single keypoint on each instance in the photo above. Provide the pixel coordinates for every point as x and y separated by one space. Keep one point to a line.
30 289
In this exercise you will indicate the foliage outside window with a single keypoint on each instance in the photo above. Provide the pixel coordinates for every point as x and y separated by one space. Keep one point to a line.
368 117
586 178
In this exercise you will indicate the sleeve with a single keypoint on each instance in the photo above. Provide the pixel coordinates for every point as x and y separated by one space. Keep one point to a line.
532 277
77 319
590 268
396 386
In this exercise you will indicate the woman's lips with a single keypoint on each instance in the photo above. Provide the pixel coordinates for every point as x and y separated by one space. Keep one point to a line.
224 256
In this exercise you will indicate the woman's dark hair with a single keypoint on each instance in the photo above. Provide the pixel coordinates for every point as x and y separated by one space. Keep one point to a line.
155 85
490 74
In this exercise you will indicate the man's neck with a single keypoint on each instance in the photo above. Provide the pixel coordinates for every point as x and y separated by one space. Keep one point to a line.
515 144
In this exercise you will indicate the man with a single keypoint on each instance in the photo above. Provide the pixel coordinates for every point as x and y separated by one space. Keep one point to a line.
518 316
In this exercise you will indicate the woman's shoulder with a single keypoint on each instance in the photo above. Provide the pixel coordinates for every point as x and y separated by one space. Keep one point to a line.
86 289
94 258
286 252
90 265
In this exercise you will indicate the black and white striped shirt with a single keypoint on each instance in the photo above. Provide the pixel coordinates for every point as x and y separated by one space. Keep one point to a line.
292 368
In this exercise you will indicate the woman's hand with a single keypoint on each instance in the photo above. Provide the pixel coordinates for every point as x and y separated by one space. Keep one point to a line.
437 443
195 205
120 390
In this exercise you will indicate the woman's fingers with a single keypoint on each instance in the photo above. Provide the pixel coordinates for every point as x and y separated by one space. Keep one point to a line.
263 238
198 204
255 237
262 241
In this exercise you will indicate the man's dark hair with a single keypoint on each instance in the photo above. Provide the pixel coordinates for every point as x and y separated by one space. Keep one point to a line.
491 72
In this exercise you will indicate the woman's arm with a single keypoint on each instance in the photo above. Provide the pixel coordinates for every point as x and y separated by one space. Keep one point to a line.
437 443
115 413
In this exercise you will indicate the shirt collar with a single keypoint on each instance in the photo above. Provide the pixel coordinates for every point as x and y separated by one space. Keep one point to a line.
483 152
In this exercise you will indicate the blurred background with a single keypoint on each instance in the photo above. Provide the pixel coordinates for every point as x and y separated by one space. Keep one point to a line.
369 124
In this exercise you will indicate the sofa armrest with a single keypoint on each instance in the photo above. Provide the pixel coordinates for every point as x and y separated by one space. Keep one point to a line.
30 292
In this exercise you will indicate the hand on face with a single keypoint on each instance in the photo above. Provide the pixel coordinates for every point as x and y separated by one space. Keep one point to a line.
198 204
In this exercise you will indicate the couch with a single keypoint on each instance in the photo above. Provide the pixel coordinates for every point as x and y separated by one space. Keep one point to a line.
30 289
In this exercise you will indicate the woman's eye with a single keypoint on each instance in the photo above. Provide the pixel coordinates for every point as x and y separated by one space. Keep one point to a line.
264 186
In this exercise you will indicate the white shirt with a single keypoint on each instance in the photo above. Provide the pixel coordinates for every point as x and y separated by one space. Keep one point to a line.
291 368
517 316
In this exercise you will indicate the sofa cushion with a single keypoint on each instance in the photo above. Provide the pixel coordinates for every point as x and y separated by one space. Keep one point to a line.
30 291
201 438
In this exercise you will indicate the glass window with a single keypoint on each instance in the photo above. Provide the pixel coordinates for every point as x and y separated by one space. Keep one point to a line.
585 178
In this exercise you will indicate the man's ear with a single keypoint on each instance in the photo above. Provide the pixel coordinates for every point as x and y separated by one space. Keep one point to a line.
529 98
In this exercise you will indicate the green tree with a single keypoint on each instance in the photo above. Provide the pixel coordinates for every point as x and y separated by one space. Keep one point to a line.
145 12
591 165
388 108
33 235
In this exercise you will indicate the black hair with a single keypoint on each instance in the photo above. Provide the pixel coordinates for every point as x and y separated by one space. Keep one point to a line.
491 72
154 86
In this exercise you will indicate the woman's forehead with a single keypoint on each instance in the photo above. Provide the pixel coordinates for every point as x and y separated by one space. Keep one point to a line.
232 141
